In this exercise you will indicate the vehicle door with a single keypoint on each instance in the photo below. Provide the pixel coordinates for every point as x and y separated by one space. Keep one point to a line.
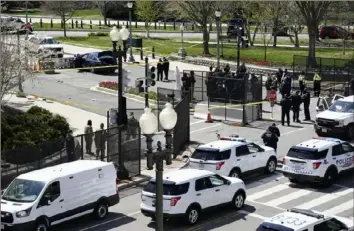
341 160
243 158
259 156
348 153
204 193
330 225
322 104
52 203
337 97
222 192
85 60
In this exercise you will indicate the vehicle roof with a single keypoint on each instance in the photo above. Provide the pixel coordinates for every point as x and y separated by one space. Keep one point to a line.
185 175
48 174
319 144
222 145
348 99
302 220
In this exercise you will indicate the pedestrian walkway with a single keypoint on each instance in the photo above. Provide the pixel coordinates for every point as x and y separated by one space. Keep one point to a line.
282 195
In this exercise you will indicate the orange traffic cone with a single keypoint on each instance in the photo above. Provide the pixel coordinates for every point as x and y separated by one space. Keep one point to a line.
209 119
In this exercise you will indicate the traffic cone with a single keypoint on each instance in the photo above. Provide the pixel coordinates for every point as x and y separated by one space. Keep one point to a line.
209 119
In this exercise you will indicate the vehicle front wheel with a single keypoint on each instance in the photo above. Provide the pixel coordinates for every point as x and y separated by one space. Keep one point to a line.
271 166
330 177
239 200
351 132
41 225
192 215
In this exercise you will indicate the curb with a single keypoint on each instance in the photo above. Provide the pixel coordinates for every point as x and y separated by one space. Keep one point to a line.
140 179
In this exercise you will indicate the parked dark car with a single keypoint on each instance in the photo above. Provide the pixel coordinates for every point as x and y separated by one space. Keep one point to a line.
96 59
335 32
233 26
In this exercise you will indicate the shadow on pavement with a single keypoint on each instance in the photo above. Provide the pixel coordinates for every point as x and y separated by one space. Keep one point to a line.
88 223
208 220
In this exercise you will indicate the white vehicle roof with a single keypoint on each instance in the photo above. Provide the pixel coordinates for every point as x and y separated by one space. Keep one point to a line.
185 175
348 99
287 219
319 143
48 174
222 144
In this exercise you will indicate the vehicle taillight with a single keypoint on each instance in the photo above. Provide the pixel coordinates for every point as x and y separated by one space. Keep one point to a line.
219 165
174 200
316 165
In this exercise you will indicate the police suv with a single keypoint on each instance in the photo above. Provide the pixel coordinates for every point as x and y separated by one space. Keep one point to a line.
318 160
234 157
336 119
305 220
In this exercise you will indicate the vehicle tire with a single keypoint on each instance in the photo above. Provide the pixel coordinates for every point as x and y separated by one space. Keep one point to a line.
330 177
235 173
192 215
293 181
41 225
351 132
238 200
271 166
101 210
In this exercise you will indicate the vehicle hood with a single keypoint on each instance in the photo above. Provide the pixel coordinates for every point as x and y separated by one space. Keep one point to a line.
52 45
267 149
234 180
13 207
348 222
333 115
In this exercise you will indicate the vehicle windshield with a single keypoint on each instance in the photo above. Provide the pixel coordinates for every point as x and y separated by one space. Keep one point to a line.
307 154
169 188
272 227
21 190
342 106
211 154
50 41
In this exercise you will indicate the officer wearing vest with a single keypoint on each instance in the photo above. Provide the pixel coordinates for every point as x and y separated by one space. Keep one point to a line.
316 84
302 82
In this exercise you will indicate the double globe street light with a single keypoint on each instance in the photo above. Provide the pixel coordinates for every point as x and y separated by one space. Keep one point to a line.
149 126
131 57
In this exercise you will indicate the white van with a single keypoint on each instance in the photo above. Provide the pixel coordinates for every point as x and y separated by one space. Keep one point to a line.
40 199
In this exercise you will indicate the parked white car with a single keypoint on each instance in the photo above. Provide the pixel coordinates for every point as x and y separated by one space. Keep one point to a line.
46 46
40 199
188 192
305 220
234 157
318 160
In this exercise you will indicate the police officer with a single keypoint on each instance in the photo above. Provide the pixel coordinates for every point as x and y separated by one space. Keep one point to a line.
133 124
306 98
285 109
316 84
166 67
270 139
159 67
351 85
274 129
302 82
296 102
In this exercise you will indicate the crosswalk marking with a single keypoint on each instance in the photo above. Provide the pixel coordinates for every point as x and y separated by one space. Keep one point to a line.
324 199
340 208
289 197
267 192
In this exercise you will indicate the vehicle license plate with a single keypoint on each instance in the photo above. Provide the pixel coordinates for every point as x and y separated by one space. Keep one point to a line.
201 165
298 166
324 130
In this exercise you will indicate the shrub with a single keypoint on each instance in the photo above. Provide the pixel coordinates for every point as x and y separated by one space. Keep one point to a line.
21 94
109 84
98 34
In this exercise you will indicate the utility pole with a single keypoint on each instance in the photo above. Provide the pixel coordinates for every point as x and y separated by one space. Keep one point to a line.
20 88
146 82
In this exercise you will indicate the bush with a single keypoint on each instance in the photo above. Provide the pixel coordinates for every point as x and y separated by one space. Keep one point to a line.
98 34
32 128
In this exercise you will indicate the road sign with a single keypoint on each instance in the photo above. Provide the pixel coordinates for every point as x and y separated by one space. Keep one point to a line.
272 96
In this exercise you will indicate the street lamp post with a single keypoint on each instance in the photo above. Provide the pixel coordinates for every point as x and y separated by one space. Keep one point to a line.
149 125
238 45
217 16
131 57
181 51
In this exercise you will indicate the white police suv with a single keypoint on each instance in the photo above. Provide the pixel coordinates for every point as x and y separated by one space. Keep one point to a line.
318 160
188 192
233 156
305 220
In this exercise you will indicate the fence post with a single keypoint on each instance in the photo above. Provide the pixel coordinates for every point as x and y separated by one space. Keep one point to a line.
72 23
91 24
109 23
139 145
99 24
77 24
155 25
153 52
61 24
30 20
118 24
17 164
82 146
164 25
51 23
174 25
136 24
193 27
141 54
41 23
82 24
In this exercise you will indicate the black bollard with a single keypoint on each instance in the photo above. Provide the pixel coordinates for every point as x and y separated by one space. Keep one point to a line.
155 25
99 24
82 24
90 24
41 23
174 25
76 24
72 23
164 25
141 54
136 24
153 52
51 23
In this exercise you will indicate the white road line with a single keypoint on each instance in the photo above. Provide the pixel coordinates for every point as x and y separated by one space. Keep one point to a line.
202 129
340 208
267 192
325 198
107 222
253 215
289 197
287 133
197 122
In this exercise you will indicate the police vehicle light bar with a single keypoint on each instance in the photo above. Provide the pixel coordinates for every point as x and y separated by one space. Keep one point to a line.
233 139
327 139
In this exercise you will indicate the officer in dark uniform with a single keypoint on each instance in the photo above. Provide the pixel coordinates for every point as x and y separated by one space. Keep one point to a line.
296 102
70 146
352 86
166 67
132 129
306 98
274 129
270 139
159 67
285 109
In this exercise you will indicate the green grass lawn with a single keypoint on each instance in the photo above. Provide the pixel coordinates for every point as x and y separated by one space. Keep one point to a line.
30 12
94 14
275 56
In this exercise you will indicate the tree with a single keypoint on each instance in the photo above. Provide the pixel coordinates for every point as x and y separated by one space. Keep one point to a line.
64 9
149 12
104 6
295 23
312 14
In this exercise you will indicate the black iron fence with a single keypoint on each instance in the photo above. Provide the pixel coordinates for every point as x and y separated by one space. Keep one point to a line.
226 96
96 146
335 73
